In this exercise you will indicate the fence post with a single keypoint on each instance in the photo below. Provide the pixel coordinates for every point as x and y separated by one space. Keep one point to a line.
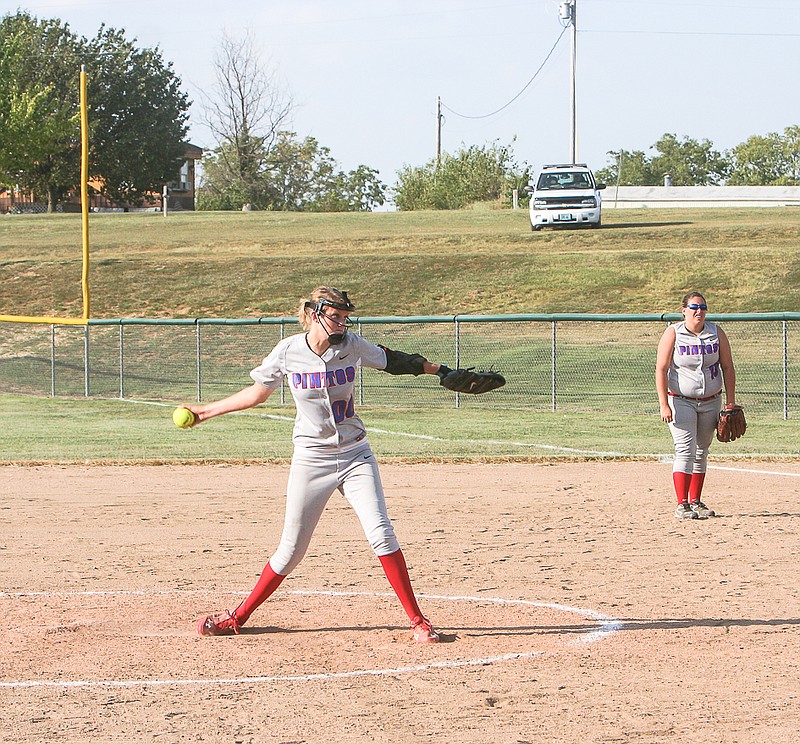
360 371
121 360
198 350
458 357
283 384
86 360
785 371
553 366
52 361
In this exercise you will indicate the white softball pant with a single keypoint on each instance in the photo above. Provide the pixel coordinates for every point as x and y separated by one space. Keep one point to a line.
692 427
313 478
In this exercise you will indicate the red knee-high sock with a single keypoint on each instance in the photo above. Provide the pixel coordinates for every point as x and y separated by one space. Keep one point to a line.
696 487
681 482
394 566
267 583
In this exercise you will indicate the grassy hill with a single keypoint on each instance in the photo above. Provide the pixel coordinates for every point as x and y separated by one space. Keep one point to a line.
408 263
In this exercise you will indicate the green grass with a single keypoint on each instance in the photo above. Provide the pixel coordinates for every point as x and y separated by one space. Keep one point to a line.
478 261
37 430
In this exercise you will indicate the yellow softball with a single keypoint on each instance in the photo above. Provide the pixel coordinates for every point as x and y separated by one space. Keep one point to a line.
183 417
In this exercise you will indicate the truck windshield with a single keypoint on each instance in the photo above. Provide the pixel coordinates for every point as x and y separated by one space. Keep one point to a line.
552 181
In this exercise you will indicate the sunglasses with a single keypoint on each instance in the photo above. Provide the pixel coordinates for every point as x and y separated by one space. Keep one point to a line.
696 306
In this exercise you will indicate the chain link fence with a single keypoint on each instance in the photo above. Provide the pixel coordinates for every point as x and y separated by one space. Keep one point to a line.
564 362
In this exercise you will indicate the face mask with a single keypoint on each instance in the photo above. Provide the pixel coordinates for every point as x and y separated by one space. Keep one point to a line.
334 339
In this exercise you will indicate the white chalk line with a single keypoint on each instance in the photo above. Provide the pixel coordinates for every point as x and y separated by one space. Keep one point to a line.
658 456
759 472
606 627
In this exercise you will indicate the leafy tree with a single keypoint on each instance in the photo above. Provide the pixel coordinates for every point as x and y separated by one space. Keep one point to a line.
138 117
628 168
472 174
295 175
359 190
222 186
770 160
688 161
137 113
39 124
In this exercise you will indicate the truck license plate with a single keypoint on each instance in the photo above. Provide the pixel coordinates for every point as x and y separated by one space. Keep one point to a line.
565 217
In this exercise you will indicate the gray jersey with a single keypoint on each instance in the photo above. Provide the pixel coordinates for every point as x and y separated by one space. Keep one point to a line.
695 371
322 387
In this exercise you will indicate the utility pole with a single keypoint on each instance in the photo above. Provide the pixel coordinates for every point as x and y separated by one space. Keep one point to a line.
567 13
438 130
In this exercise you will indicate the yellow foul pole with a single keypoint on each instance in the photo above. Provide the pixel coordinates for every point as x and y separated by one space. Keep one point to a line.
85 194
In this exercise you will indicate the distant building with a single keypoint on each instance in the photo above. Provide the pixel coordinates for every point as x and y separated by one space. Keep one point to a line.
180 194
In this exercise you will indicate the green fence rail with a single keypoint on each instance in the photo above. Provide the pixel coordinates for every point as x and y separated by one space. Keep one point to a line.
556 362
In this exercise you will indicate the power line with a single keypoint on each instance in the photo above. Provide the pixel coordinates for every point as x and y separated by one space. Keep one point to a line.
525 87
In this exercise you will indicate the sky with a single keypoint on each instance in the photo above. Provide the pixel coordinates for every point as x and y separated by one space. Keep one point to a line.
365 75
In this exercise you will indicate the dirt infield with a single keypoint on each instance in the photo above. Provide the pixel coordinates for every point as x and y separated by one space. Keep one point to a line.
573 606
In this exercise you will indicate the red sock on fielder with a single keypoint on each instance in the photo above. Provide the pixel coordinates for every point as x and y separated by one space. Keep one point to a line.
394 566
681 482
266 585
696 487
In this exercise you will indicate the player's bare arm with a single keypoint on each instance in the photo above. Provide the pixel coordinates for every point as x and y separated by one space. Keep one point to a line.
663 359
244 399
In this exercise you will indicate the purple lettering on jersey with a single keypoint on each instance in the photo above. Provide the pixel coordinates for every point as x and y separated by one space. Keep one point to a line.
331 378
697 349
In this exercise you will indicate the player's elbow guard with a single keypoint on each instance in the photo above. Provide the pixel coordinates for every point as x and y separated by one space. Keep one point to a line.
400 363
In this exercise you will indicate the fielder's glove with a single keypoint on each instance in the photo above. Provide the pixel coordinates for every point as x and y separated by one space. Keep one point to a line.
731 423
469 381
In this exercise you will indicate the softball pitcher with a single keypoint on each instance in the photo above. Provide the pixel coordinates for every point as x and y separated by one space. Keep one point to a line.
693 366
330 448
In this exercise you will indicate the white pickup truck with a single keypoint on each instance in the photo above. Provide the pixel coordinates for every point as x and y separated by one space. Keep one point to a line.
565 195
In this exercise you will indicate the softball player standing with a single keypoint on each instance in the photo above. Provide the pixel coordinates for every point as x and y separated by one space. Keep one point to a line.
330 448
693 366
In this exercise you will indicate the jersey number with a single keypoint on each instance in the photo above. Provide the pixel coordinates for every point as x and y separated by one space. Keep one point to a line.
343 409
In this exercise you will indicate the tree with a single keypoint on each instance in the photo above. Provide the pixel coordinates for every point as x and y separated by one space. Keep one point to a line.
294 175
137 113
473 174
138 117
628 168
688 161
39 125
245 115
257 160
770 160
359 190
